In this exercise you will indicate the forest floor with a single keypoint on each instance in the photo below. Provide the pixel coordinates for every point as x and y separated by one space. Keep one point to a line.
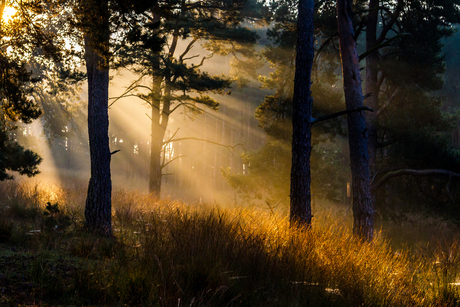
166 253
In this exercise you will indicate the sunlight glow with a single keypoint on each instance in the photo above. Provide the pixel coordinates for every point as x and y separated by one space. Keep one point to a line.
8 13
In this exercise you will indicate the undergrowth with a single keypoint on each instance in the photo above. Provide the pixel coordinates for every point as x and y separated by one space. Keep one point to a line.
166 253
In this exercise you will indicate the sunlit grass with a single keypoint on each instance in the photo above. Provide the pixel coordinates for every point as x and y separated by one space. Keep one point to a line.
167 253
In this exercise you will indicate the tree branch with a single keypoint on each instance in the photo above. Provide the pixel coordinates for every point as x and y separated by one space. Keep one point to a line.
204 59
381 45
208 141
390 24
323 118
171 138
186 105
187 49
163 165
135 85
402 172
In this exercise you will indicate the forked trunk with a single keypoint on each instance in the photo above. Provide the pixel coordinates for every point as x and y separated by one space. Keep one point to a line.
363 213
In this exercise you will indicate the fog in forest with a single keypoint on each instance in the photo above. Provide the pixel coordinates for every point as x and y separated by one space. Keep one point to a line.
210 142
215 152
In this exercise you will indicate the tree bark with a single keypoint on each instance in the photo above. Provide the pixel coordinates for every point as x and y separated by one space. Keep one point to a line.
301 120
161 108
156 144
363 212
98 210
371 84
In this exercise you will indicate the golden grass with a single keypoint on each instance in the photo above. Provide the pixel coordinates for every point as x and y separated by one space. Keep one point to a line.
168 253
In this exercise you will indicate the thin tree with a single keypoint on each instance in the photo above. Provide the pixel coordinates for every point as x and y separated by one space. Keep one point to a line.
301 118
168 79
363 211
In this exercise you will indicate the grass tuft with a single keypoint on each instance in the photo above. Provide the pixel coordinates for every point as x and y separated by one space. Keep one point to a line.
166 253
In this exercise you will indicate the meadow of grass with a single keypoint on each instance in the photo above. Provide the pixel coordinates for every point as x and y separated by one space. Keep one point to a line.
166 253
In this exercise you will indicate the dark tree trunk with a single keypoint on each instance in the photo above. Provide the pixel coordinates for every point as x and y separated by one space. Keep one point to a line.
156 144
161 108
301 119
363 212
98 210
371 85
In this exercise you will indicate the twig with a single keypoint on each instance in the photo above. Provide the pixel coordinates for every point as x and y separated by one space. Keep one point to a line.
323 118
402 172
208 141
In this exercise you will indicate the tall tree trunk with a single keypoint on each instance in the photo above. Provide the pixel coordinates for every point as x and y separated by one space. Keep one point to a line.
98 210
156 144
160 118
301 119
371 85
161 108
363 212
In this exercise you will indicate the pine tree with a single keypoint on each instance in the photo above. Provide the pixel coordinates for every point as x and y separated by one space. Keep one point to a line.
169 79
95 25
363 211
25 43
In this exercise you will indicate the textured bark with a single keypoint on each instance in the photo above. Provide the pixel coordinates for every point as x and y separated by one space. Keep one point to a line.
363 212
98 210
161 108
156 144
301 118
371 84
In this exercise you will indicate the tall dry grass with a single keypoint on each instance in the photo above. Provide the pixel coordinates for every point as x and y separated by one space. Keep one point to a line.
167 253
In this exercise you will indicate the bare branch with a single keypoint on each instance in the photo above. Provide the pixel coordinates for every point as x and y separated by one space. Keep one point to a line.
135 85
402 172
173 159
170 139
323 118
204 59
192 57
187 49
381 45
186 105
390 24
208 141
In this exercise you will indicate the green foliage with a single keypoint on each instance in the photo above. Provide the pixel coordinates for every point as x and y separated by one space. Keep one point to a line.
268 176
214 25
15 158
30 60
